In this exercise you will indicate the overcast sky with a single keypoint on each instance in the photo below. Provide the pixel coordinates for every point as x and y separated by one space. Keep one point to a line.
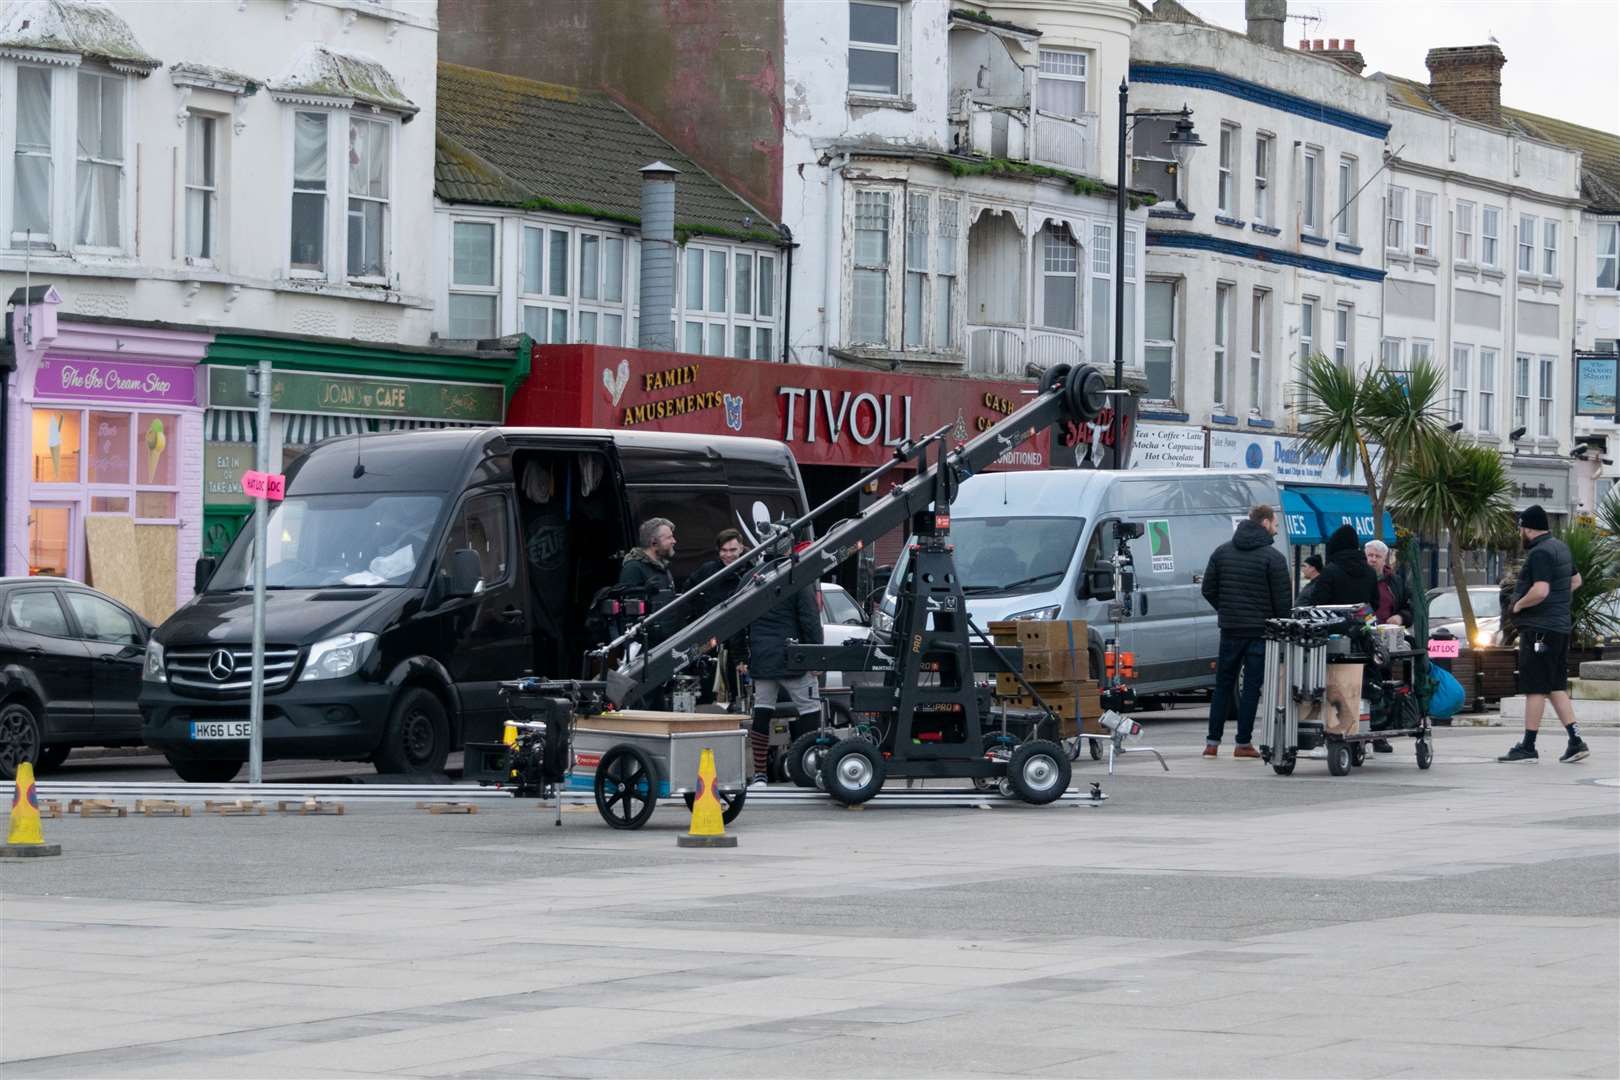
1560 53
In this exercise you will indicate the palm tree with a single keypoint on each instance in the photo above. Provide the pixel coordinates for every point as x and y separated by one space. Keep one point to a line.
1459 489
1401 413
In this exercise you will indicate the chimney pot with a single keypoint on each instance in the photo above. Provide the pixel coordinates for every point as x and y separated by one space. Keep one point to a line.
1304 44
1333 43
1317 45
1350 44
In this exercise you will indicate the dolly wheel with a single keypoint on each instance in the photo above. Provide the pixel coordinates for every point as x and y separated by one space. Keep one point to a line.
1358 754
1039 772
1425 752
803 758
1338 757
853 771
1283 765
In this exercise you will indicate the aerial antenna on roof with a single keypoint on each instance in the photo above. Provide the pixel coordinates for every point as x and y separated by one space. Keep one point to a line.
1306 22
359 436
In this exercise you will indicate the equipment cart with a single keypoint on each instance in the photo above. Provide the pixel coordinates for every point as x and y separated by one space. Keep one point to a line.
1328 673
629 759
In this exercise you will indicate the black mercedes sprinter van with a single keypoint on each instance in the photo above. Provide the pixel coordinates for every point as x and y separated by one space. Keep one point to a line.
410 572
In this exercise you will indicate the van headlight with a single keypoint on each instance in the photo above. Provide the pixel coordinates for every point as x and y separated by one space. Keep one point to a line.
883 622
336 657
152 670
1043 614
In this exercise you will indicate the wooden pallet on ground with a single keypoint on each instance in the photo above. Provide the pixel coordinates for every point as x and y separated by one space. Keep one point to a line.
309 806
97 808
162 808
448 807
50 808
234 807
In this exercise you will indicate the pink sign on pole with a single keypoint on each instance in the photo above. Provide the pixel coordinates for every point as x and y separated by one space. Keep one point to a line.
261 485
117 380
1442 649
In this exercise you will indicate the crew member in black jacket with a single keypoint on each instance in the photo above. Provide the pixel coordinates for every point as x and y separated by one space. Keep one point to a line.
1348 578
1246 582
728 547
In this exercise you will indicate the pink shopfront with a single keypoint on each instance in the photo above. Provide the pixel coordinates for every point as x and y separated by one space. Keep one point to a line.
104 457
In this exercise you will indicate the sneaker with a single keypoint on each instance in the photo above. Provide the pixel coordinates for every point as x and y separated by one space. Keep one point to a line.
1210 749
1246 751
1381 746
1576 751
759 781
1520 753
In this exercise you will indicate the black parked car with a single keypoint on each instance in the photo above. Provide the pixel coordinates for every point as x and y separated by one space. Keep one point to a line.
70 671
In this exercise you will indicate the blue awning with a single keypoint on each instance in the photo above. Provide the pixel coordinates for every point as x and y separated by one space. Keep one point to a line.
1342 506
1300 519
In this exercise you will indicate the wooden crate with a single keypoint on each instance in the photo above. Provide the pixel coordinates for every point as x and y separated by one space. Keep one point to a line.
647 722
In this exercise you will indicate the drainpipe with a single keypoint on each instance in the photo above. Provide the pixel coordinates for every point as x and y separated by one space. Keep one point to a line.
831 254
657 330
787 291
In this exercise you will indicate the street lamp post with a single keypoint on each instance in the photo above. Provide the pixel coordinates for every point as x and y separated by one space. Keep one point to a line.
1182 141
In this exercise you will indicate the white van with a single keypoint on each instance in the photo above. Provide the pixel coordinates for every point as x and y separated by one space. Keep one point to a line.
1025 541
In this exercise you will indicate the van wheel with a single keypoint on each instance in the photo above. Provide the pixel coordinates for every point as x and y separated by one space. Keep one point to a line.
417 739
204 770
19 738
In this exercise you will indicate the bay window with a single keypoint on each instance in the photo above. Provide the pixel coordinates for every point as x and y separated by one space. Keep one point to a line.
601 289
543 284
933 228
729 305
1102 293
341 222
368 198
66 134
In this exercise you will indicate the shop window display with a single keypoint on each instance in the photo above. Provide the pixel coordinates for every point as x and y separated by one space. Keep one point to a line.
56 446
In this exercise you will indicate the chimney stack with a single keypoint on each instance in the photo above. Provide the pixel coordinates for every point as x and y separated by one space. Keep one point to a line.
657 328
1266 19
1346 56
1468 81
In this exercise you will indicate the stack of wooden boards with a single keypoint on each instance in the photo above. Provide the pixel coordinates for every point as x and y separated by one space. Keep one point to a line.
1057 665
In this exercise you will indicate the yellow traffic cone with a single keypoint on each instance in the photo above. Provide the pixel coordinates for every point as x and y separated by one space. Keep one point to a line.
708 826
26 838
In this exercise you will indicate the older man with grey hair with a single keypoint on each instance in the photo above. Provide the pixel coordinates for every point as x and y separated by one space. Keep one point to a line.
1394 595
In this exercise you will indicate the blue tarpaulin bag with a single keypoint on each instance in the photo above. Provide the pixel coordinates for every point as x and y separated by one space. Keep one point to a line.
1445 693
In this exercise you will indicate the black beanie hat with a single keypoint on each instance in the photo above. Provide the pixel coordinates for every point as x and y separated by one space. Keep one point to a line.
1534 517
1316 561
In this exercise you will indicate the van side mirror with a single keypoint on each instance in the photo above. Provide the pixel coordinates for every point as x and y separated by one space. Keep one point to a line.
1097 583
463 573
205 570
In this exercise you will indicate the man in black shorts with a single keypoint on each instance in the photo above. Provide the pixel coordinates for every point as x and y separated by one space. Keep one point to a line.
1541 606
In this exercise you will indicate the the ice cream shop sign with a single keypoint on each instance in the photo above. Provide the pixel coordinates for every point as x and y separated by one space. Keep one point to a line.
113 381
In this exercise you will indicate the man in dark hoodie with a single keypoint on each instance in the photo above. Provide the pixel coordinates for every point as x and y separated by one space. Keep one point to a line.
1348 579
1246 582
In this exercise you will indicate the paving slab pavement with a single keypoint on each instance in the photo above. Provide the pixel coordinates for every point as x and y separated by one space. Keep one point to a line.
1216 920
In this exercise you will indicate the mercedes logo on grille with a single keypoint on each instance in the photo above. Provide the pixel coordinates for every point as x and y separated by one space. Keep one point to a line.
221 665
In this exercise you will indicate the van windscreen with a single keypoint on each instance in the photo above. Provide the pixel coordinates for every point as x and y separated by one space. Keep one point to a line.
329 541
1006 555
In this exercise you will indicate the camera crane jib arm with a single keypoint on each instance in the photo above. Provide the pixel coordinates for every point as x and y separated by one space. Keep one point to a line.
1065 393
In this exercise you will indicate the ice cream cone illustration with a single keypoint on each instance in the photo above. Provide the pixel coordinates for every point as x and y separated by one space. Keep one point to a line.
53 439
155 442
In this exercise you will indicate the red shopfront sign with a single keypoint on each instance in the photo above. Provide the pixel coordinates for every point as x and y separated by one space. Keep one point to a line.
828 416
